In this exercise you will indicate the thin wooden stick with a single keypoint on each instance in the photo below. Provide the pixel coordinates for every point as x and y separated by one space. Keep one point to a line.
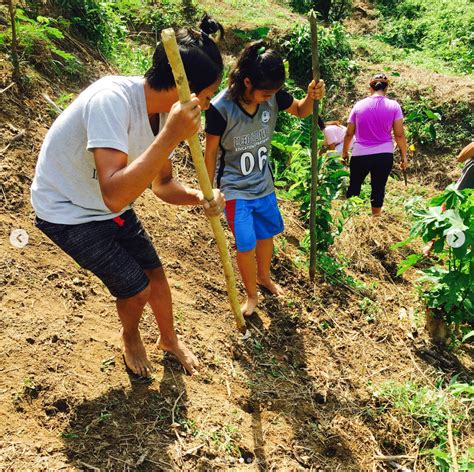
314 149
452 448
171 47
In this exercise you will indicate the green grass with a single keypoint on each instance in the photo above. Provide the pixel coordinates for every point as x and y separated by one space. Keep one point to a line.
375 51
436 30
429 412
248 14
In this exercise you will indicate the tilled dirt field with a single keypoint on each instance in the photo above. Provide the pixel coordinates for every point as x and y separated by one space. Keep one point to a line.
294 396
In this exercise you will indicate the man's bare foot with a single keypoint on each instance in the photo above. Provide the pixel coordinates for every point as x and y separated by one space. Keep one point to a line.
249 306
135 355
271 286
182 353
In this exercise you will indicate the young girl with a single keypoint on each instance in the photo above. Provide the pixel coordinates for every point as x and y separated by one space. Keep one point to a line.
239 127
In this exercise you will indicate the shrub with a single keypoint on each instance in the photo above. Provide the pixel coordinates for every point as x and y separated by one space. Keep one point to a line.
39 40
335 55
447 286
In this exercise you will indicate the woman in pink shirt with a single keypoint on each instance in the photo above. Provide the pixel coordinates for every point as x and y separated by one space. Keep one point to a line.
372 121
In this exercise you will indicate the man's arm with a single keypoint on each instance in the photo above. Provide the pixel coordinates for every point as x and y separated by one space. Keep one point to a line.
466 153
168 189
120 183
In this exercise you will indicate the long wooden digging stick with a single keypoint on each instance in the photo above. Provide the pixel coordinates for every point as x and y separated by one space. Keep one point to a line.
171 47
314 149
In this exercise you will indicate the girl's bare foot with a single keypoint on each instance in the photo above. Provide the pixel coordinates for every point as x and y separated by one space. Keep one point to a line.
271 286
135 355
249 306
187 359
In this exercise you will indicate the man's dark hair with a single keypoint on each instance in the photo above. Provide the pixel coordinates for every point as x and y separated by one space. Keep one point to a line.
201 58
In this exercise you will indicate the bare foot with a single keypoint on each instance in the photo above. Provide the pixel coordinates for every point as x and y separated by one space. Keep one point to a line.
183 354
135 355
249 306
271 286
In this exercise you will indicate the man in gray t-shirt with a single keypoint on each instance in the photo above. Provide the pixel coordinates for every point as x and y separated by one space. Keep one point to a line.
110 145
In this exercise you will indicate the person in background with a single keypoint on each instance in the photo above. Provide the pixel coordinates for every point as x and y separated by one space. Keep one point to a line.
467 175
372 121
334 134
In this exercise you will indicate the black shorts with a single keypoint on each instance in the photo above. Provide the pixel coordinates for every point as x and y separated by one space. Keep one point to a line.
116 250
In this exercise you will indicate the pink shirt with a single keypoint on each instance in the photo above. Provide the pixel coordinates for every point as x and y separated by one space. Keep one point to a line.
373 118
334 134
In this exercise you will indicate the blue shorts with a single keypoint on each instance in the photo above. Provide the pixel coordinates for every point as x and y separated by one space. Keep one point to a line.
118 251
252 220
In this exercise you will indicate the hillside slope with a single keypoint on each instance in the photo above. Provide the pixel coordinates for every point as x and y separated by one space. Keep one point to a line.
299 394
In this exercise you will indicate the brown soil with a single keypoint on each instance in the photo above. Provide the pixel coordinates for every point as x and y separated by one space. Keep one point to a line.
294 396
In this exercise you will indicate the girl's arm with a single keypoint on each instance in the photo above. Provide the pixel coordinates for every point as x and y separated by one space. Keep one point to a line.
210 154
304 107
350 132
401 141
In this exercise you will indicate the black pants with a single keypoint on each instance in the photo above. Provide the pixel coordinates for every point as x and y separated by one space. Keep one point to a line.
379 167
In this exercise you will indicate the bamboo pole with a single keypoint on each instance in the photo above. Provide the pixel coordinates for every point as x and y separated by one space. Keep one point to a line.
314 149
171 47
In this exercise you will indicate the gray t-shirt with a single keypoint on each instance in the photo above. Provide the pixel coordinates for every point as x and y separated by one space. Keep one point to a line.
110 113
243 169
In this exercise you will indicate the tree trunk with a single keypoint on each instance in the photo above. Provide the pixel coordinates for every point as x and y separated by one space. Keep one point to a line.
16 64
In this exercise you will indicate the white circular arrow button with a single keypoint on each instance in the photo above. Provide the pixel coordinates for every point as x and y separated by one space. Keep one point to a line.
456 239
18 238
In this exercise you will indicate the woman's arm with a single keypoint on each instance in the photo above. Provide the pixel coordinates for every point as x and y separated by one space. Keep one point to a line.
401 140
304 107
350 132
168 189
210 154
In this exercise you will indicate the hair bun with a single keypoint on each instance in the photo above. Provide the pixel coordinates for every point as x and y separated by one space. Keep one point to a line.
210 26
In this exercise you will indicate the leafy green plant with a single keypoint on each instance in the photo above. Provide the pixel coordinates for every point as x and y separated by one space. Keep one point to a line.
252 35
335 55
39 41
441 31
421 121
447 286
98 22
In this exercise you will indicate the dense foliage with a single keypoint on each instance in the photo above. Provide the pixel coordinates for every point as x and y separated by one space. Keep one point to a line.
440 29
335 55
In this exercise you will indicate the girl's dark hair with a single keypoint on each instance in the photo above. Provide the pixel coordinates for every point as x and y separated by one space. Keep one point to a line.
321 123
201 58
264 67
379 82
